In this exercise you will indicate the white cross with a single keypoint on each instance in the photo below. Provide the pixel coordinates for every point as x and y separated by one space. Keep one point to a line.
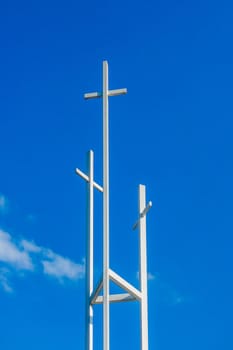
91 184
105 94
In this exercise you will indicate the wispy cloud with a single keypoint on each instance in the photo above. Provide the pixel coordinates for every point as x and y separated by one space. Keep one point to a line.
23 257
150 276
30 247
4 204
169 295
62 268
12 255
4 280
179 300
166 294
17 256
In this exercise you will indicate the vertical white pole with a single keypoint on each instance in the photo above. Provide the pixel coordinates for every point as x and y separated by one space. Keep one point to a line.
105 209
143 269
90 251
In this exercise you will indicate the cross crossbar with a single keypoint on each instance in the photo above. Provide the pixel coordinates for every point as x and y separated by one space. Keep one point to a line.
115 92
86 177
142 214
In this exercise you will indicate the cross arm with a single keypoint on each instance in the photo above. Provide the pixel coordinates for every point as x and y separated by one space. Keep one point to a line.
85 177
115 92
142 214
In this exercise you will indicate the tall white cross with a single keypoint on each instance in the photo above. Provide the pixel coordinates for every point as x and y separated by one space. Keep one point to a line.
92 295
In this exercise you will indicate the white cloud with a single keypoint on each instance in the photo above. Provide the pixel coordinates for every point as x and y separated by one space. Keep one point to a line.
4 282
3 204
62 268
169 295
30 247
20 256
12 255
17 257
150 276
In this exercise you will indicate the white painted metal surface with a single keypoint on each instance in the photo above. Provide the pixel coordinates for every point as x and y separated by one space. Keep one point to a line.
85 177
124 285
89 247
93 294
106 207
144 212
115 92
90 252
143 267
116 298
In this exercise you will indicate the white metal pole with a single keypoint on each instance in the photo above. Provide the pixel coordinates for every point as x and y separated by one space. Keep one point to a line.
90 251
143 268
105 209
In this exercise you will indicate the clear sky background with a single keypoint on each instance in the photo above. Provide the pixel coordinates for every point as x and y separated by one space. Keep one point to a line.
172 132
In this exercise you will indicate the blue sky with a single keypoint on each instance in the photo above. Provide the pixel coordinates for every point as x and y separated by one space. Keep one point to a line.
172 132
